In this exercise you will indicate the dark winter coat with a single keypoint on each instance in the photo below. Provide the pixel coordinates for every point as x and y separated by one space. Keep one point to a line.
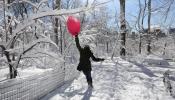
85 55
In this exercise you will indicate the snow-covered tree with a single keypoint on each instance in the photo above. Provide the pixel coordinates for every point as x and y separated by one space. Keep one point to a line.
122 28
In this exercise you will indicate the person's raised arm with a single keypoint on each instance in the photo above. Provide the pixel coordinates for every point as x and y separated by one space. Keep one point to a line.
77 43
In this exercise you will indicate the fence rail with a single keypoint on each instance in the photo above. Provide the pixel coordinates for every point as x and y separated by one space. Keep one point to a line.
36 86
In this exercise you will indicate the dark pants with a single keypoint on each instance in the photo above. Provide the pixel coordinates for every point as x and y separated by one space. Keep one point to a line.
88 77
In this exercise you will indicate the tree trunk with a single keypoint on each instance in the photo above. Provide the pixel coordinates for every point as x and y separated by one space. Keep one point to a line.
5 21
61 38
140 44
122 28
57 6
13 71
56 31
107 47
149 29
164 48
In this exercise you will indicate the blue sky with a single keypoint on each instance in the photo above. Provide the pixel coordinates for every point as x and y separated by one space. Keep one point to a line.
132 9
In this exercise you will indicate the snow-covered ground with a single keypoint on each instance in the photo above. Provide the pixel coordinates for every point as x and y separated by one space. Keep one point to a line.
116 80
4 73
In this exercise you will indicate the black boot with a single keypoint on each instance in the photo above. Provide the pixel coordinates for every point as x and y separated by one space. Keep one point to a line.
90 84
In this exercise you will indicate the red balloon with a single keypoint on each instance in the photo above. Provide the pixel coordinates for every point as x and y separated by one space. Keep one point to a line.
73 25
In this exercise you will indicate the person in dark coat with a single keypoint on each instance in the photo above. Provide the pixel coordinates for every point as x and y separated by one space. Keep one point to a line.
85 63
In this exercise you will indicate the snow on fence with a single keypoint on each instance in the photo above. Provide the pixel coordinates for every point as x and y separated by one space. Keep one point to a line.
71 72
36 86
169 82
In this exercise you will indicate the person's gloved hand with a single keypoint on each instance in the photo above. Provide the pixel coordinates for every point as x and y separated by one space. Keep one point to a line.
76 35
102 59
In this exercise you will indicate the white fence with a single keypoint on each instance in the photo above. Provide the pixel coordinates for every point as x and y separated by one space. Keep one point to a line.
34 87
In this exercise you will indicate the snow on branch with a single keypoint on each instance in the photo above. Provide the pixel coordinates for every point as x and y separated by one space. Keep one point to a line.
65 11
29 2
31 45
23 25
29 21
51 54
28 48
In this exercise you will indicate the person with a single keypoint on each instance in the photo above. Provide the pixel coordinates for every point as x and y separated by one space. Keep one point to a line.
85 63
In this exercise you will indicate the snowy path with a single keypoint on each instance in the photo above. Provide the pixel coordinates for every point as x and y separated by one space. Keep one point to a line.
114 80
